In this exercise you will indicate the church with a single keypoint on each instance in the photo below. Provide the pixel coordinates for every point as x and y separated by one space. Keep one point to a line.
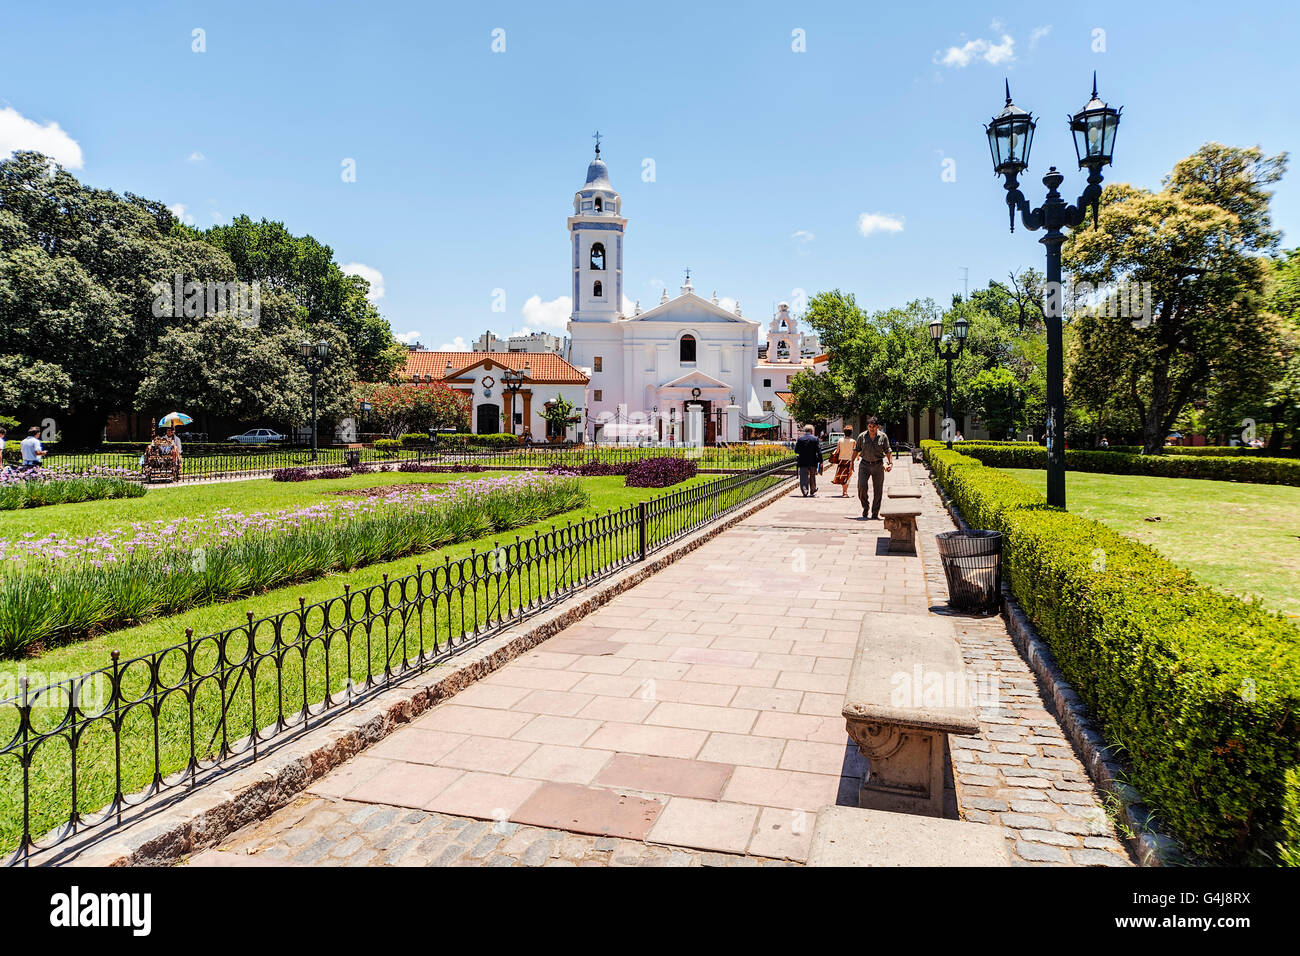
654 373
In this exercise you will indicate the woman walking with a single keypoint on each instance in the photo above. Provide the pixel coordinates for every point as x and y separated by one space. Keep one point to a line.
842 457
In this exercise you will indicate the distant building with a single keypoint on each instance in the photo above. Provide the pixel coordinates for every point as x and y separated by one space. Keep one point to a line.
532 342
493 408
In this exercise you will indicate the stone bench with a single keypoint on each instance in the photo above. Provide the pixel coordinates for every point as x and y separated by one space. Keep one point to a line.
899 516
905 491
908 689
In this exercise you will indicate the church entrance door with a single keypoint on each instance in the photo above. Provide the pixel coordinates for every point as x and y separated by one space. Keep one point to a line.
710 432
489 419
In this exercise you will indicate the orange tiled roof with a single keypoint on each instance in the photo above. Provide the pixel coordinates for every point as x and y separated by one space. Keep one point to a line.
786 397
545 368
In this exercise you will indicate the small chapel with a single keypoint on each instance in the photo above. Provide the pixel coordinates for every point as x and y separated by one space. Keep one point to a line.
685 359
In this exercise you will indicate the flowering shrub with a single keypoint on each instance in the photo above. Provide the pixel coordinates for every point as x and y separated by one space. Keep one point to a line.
660 472
418 468
35 487
62 589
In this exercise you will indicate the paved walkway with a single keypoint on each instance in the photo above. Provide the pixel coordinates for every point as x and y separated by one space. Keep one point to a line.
698 711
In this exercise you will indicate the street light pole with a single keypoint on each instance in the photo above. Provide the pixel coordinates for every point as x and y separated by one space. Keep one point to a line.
948 354
314 354
1010 134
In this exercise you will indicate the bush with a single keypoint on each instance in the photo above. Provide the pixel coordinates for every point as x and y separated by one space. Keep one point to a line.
1263 471
411 439
415 467
1213 451
660 472
1197 691
463 440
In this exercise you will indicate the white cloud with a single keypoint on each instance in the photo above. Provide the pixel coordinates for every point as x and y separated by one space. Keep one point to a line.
629 307
727 302
196 157
458 344
218 217
986 50
370 274
18 132
406 338
870 222
802 236
1036 34
180 211
547 315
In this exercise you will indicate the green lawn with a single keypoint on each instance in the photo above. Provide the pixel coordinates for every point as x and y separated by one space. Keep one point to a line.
1240 538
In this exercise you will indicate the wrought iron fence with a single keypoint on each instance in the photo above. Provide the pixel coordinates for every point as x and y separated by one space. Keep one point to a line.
79 752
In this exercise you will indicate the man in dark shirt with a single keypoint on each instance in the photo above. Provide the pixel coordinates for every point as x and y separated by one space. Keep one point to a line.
808 456
874 453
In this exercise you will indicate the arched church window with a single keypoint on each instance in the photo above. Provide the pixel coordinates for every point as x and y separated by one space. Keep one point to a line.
598 202
598 256
782 349
597 290
687 349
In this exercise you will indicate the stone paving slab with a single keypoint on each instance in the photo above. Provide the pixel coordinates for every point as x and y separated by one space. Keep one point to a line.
700 710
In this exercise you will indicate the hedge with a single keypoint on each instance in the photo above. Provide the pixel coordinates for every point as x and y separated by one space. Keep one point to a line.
464 440
1262 471
1213 451
1198 692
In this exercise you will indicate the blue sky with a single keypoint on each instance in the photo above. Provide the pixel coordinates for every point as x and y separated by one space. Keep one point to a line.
765 159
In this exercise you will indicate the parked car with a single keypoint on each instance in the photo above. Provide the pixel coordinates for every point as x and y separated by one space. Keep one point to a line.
257 436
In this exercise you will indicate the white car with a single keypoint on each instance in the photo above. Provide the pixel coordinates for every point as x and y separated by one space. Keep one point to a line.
257 436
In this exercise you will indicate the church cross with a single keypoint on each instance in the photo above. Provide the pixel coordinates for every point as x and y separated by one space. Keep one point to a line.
596 137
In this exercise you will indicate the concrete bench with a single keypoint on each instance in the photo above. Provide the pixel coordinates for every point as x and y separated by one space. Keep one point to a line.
908 689
899 516
847 836
905 491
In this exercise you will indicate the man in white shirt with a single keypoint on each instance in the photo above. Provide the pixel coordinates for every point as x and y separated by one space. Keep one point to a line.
32 450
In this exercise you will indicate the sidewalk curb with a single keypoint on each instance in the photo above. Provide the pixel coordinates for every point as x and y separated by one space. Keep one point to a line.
248 791
1151 846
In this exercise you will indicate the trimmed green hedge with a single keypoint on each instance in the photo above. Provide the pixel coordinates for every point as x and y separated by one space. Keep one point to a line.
1198 692
465 440
1201 451
1262 471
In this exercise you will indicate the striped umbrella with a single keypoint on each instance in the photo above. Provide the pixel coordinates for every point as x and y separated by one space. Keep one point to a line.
175 420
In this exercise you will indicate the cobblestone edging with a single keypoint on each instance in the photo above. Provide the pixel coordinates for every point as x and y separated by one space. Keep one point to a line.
1151 846
249 791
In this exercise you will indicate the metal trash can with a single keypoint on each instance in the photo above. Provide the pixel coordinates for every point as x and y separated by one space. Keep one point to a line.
351 457
972 563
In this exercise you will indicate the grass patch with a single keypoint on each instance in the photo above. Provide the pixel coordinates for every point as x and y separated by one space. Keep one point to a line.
1241 539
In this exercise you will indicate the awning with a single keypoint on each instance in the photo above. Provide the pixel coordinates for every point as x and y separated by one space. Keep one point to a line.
768 425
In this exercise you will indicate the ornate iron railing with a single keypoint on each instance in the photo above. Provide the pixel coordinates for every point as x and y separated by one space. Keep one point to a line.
79 752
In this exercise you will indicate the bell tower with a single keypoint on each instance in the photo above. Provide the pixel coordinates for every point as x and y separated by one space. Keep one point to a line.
596 233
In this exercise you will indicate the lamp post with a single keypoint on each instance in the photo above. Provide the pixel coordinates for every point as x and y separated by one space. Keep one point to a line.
1011 134
315 355
513 381
948 353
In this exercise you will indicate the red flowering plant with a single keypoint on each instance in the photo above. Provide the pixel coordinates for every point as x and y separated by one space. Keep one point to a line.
414 406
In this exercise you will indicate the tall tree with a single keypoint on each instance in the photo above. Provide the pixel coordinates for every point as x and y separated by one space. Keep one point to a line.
1199 244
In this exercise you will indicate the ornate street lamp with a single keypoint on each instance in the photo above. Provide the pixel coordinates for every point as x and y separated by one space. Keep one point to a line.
1011 134
960 328
512 380
315 355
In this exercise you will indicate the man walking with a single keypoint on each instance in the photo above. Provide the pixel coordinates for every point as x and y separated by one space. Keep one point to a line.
808 456
873 450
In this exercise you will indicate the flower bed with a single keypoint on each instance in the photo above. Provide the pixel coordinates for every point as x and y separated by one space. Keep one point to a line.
1198 692
660 472
57 590
37 487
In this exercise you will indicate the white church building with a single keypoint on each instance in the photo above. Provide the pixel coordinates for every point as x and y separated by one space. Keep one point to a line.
687 369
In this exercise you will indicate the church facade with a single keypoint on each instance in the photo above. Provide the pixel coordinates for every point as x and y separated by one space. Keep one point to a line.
649 370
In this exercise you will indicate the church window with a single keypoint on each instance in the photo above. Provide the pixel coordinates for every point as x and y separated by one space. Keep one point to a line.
767 383
598 201
767 406
782 349
687 349
598 256
600 395
595 364
597 290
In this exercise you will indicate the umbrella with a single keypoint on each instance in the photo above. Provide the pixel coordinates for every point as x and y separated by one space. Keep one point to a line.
175 419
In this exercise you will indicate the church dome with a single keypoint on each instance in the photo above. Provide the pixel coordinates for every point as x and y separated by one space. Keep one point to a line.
598 174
